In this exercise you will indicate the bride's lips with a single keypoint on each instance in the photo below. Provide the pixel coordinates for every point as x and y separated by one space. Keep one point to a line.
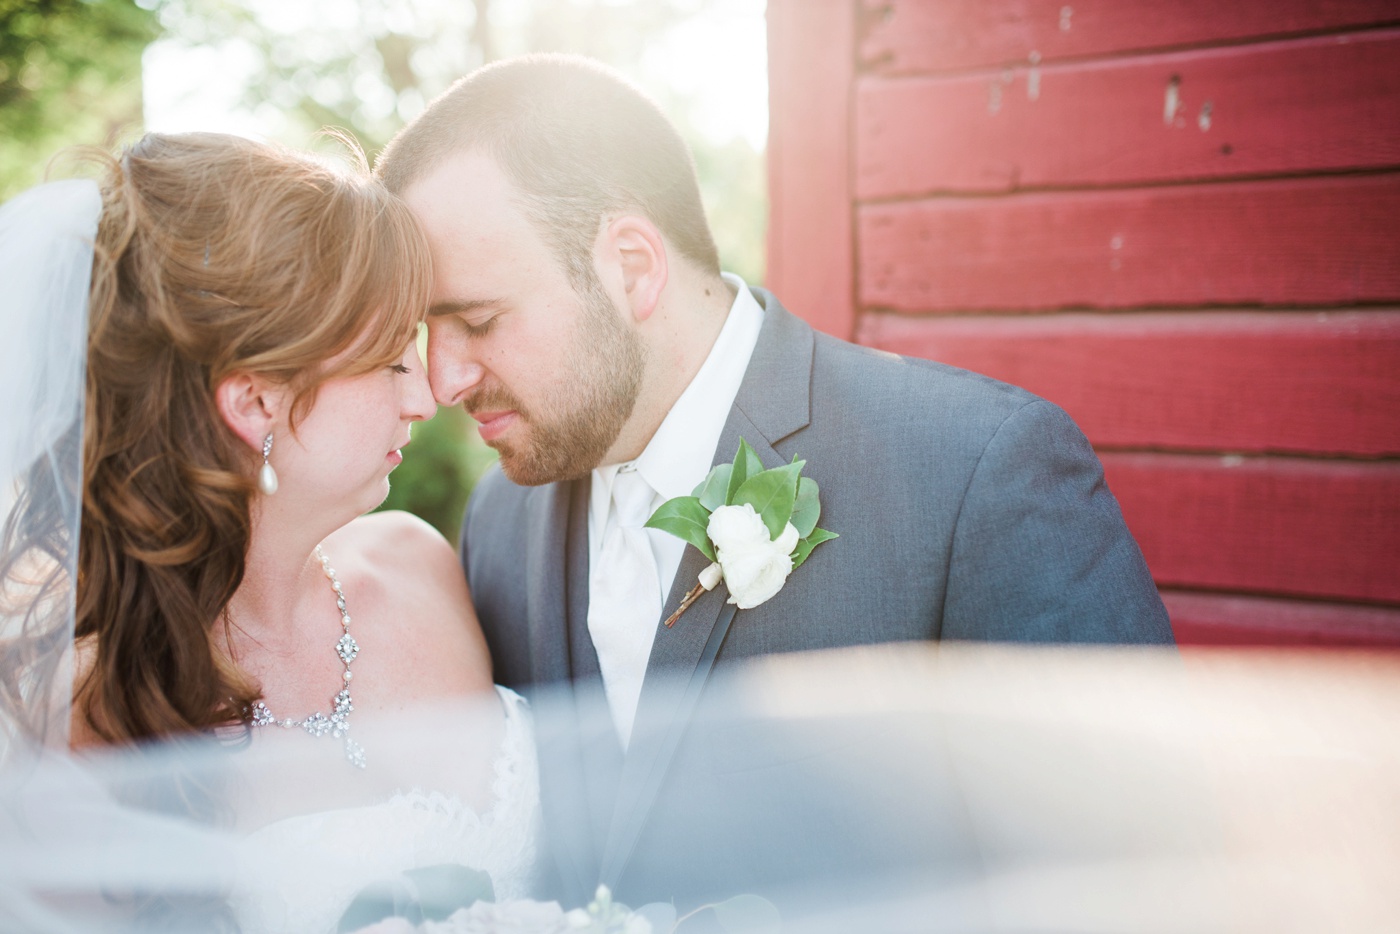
395 457
494 424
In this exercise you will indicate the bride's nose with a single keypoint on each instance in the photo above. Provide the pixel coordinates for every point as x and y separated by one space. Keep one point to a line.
417 402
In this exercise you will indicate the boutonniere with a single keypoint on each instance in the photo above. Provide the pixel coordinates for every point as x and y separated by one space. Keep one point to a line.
756 526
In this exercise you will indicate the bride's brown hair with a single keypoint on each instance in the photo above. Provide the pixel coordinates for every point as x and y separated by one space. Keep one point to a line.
214 255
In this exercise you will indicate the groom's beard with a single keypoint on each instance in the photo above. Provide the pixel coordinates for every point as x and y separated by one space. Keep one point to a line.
567 436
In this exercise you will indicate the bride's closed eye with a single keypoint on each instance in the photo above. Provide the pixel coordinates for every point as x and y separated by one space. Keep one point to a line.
399 368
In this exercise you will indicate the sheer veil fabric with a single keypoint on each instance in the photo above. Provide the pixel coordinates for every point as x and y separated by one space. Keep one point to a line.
46 255
948 789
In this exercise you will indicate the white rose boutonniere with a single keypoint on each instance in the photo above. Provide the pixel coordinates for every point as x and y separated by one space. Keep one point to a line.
757 526
755 565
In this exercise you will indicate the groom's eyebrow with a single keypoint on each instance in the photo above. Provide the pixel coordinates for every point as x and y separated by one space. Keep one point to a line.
457 306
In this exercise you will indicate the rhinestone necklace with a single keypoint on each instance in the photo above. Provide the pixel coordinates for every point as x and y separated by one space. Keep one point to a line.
337 725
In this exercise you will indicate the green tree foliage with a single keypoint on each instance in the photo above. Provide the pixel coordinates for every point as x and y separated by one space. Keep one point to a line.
735 190
70 74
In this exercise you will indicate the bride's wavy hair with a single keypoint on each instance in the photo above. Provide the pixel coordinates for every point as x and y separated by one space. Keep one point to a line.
214 255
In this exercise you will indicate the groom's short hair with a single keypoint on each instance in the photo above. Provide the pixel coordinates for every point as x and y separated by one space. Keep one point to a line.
577 140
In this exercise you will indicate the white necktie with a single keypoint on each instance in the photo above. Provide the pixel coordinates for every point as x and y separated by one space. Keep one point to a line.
624 599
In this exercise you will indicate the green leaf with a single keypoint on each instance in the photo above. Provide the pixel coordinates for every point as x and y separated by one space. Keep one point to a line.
807 509
686 518
748 914
746 465
804 547
771 494
715 487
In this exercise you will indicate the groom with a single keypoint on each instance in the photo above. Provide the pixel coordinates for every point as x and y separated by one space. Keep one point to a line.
581 317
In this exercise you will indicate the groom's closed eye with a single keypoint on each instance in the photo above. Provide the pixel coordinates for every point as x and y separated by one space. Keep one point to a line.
464 307
477 316
479 328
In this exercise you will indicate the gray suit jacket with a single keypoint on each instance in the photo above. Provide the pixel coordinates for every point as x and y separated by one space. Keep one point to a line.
966 508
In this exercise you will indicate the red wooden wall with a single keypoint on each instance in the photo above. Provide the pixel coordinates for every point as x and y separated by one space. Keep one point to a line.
1178 219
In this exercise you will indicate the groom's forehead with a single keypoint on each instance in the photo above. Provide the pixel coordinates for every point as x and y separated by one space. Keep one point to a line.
469 182
468 205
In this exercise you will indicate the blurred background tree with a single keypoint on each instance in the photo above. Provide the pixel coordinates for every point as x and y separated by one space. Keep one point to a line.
74 70
70 73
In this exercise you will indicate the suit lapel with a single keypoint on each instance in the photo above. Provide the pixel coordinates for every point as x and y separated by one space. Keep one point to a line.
547 514
772 403
550 560
595 778
583 656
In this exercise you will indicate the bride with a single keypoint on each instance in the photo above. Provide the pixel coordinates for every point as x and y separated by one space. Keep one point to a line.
251 377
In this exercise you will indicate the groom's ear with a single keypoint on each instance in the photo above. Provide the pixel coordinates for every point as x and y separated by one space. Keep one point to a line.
637 246
249 404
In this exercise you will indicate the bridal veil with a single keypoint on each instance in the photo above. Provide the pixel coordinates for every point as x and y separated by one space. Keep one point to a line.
46 255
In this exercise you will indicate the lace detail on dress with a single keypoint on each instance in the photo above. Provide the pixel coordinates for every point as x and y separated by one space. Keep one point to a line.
302 872
514 782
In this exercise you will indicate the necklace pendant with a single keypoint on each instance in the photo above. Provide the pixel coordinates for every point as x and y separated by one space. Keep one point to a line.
355 753
337 725
318 724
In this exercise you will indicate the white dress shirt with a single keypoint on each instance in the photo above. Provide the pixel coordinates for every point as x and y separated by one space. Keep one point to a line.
624 609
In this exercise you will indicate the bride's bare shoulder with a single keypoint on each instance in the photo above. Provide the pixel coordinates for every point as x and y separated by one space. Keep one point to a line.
398 563
397 540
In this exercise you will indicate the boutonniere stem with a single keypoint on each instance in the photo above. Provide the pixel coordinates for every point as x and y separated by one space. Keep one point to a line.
709 579
756 526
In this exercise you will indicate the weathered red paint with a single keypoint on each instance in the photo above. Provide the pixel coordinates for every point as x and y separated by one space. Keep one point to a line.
1267 525
1295 381
1311 241
918 36
1307 105
811 71
1224 619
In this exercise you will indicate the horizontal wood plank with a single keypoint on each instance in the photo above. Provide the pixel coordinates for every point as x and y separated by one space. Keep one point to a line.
1305 382
810 261
915 36
1264 526
1317 104
1321 241
1223 619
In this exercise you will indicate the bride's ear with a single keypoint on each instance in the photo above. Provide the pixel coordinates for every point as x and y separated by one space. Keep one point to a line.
249 405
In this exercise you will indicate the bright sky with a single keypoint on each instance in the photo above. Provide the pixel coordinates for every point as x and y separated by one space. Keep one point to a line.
718 55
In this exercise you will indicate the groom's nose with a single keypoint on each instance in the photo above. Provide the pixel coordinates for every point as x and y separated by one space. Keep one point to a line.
452 372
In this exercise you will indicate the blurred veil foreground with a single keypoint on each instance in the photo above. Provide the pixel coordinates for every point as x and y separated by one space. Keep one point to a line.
906 788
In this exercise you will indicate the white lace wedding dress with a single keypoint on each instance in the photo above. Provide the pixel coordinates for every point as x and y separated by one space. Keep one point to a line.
304 871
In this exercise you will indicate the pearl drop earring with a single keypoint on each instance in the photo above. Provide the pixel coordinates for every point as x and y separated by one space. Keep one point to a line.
267 477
